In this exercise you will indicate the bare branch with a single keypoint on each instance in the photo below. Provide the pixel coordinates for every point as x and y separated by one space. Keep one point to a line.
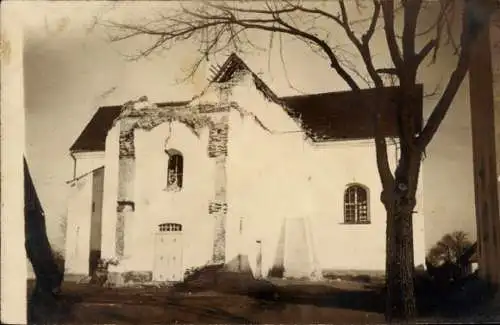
362 45
420 56
343 11
176 29
365 46
442 27
444 6
282 57
450 39
354 69
270 11
271 42
435 92
373 23
192 71
472 25
411 13
390 71
220 25
390 35
291 30
383 167
443 105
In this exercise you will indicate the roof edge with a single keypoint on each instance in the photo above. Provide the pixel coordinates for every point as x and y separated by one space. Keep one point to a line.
84 174
419 85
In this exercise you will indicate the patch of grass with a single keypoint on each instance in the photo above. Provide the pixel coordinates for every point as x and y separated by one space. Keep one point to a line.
354 277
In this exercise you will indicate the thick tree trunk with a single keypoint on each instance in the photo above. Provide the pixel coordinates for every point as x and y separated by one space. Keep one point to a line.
39 252
399 202
399 267
484 159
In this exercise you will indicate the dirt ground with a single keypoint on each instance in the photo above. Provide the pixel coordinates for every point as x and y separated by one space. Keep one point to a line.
294 302
252 301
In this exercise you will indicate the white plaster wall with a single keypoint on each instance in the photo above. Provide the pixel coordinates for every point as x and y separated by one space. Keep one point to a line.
155 205
343 246
353 247
281 184
110 193
255 183
97 201
88 161
265 184
275 174
269 113
78 227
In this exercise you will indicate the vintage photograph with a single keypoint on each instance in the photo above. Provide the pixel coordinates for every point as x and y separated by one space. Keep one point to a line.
270 161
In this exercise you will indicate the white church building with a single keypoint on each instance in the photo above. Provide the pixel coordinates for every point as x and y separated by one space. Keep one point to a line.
237 175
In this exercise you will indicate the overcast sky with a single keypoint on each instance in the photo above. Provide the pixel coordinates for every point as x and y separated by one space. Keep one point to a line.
71 69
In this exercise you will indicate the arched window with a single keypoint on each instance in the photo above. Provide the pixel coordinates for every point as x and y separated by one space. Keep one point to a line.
174 170
164 227
356 205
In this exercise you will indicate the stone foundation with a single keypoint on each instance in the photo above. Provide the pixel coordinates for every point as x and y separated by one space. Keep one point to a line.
137 276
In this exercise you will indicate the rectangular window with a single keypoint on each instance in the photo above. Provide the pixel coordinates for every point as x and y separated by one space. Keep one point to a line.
175 171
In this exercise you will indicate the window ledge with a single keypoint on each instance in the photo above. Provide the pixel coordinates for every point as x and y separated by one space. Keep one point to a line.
169 189
355 223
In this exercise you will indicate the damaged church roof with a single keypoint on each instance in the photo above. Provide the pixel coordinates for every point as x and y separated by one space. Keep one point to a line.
93 136
235 64
324 117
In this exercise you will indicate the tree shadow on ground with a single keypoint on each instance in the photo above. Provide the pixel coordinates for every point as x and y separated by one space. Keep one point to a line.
451 299
321 295
434 297
76 310
88 304
50 310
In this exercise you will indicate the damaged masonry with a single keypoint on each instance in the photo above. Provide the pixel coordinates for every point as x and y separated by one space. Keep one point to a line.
236 176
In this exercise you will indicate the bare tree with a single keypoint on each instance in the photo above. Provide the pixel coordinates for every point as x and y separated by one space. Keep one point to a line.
217 26
449 249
